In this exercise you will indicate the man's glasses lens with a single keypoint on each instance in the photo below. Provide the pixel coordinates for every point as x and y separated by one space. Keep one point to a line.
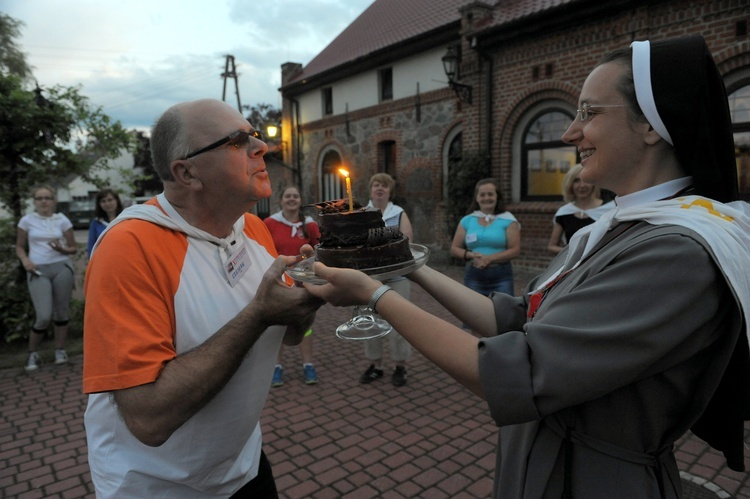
240 138
237 139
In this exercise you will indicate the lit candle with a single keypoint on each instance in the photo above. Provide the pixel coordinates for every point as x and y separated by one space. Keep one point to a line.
348 188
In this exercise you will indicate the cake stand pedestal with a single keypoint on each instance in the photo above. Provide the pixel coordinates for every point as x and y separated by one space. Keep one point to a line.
365 324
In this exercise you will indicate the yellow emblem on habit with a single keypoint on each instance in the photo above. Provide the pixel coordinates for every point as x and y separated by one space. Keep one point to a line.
709 206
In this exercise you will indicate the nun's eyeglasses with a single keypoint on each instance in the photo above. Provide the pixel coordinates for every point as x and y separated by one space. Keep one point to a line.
587 110
238 139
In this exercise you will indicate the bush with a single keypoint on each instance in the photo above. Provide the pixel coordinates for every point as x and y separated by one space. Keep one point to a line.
461 181
16 311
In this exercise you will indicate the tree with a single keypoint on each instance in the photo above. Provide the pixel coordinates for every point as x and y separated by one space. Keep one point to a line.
49 139
149 182
262 115
46 136
12 60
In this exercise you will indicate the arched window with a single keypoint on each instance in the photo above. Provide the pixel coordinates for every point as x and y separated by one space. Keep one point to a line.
739 106
387 157
332 184
545 158
452 155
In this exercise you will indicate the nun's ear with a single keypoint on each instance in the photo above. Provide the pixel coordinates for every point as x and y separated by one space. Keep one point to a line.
652 137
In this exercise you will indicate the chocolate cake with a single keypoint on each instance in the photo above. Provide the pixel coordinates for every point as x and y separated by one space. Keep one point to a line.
358 239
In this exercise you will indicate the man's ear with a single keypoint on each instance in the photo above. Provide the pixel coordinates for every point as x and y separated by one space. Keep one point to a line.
185 173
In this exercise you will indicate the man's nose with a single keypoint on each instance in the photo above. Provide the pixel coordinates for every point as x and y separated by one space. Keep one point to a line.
256 147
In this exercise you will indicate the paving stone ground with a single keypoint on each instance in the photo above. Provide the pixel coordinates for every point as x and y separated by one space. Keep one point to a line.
337 439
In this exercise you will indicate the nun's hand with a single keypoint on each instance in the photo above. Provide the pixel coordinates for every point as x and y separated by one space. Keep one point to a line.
345 286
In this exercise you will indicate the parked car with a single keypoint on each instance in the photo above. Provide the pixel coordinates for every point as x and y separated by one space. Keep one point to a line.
81 212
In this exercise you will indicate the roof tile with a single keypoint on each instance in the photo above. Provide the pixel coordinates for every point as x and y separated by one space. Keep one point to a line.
389 22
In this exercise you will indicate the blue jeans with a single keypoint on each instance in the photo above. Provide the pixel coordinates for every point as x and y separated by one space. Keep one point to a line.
484 281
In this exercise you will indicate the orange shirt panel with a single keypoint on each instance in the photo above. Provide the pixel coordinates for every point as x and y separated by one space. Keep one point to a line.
129 323
257 230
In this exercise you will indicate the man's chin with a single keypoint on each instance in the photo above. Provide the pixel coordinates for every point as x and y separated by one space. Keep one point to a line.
262 190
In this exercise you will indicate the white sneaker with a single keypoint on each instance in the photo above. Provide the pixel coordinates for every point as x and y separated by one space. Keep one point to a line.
60 356
33 363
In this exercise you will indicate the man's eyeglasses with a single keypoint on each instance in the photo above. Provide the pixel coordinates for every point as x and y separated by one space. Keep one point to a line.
237 139
587 110
44 198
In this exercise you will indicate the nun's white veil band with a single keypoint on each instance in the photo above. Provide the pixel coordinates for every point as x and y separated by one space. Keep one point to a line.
643 90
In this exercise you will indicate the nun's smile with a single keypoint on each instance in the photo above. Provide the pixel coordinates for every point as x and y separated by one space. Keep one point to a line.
611 146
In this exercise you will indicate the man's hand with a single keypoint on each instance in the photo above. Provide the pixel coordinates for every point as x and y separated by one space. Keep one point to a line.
307 251
277 303
154 411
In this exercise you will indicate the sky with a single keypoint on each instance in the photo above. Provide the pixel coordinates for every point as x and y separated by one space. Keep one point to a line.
135 58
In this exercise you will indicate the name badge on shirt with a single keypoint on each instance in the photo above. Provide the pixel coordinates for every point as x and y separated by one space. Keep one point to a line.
237 264
471 238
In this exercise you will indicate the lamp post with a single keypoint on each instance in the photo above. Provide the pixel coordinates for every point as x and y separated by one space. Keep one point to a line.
451 62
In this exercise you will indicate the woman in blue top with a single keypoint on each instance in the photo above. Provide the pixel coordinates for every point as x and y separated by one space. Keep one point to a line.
108 206
487 239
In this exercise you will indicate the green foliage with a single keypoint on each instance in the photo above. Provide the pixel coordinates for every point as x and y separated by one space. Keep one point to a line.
16 311
262 115
150 181
51 139
461 180
46 136
75 328
12 60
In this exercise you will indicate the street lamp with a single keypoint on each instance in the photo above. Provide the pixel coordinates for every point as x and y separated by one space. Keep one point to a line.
450 66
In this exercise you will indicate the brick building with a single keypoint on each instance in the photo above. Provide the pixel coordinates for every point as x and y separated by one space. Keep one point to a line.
378 98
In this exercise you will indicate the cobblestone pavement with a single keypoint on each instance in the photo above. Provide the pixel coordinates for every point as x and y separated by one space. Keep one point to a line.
428 439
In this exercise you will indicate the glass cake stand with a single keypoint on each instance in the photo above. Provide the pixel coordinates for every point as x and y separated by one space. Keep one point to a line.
365 324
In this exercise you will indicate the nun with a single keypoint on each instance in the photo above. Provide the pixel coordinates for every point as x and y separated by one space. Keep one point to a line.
637 332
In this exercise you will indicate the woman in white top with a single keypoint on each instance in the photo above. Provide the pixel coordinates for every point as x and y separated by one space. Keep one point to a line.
50 240
584 207
382 186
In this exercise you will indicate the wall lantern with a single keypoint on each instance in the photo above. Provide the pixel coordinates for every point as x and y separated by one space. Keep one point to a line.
272 135
272 131
450 66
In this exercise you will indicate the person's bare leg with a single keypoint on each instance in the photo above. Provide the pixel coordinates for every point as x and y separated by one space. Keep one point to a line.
61 334
306 349
35 339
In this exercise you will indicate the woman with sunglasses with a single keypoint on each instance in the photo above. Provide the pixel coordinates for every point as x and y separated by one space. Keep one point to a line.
637 332
50 240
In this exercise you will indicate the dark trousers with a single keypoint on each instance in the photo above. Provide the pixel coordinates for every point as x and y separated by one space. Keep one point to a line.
262 486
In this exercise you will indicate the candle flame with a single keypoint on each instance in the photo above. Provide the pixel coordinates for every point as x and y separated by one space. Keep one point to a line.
344 172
